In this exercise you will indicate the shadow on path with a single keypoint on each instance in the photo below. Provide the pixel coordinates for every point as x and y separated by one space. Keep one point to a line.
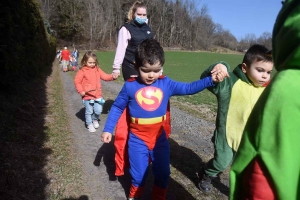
106 108
82 197
106 155
80 114
189 164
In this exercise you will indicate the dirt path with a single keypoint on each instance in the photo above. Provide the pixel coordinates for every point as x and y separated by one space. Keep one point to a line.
190 146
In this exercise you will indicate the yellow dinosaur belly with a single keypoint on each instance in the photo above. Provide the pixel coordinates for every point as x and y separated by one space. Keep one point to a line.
243 99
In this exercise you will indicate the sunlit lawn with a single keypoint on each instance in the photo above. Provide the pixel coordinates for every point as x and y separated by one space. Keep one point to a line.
184 67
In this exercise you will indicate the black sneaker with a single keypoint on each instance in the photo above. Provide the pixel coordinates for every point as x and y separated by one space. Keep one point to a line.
205 182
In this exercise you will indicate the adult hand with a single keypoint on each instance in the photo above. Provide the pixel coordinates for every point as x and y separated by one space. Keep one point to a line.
115 75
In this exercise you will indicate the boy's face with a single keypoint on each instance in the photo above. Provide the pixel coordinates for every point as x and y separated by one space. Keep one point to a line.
259 72
150 73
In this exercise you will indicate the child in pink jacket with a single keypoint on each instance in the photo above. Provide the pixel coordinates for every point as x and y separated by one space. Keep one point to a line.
88 85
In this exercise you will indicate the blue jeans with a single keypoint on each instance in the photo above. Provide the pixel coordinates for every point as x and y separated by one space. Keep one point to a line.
92 111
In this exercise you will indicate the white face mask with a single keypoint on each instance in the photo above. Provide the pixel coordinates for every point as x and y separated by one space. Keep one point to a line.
140 20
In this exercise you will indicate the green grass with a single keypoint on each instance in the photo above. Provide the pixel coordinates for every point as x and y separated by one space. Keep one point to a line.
188 66
184 67
181 66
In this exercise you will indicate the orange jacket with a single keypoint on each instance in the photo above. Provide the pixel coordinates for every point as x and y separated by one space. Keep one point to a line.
87 79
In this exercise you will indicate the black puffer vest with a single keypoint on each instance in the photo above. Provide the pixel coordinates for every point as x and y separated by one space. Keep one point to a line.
138 34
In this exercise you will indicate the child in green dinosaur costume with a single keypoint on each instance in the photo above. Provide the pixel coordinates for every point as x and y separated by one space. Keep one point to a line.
267 164
236 97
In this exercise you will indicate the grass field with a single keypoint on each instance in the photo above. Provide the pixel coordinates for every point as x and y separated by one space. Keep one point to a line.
184 67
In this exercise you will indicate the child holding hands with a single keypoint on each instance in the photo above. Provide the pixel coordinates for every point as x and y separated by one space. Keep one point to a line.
147 98
236 96
88 85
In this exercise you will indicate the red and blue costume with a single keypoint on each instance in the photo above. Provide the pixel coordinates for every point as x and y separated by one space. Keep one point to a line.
147 140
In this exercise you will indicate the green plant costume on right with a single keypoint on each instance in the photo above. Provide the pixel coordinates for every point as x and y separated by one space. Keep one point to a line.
271 138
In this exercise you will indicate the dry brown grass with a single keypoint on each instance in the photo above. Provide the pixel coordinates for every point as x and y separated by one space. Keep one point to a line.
62 169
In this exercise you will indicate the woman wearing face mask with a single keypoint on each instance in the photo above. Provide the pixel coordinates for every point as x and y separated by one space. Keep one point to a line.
130 36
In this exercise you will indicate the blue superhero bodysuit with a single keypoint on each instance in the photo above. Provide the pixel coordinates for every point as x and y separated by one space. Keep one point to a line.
147 106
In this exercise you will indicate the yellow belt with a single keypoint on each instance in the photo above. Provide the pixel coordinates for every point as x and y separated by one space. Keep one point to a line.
153 120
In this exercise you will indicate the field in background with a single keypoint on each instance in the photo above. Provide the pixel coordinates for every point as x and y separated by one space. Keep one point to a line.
185 67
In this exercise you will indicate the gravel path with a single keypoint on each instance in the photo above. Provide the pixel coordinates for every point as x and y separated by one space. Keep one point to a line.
190 146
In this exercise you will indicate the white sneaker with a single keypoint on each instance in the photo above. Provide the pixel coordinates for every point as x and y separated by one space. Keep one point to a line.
96 123
91 128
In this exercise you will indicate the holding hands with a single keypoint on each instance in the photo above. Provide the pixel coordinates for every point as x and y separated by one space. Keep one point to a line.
115 75
219 72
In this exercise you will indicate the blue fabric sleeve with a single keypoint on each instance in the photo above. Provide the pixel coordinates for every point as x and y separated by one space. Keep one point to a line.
116 110
179 88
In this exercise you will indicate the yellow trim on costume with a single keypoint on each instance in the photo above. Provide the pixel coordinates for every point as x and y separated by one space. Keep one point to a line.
243 98
153 120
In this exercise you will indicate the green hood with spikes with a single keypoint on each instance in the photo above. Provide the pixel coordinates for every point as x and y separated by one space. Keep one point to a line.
286 37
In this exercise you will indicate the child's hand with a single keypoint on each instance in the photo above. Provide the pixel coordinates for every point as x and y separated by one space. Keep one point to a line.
219 72
82 93
106 137
220 68
216 78
115 75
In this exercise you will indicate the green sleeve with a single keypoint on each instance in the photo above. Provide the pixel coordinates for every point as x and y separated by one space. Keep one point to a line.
272 134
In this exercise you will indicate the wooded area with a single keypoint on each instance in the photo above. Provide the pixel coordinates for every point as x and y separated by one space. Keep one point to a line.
180 24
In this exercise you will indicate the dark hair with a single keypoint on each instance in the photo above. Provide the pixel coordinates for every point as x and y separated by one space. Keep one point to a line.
86 56
149 51
257 53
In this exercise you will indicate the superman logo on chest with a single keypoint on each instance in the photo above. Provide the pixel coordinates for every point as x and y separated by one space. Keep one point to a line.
149 98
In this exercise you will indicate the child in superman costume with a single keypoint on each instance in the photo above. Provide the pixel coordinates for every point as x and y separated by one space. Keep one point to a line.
267 164
146 98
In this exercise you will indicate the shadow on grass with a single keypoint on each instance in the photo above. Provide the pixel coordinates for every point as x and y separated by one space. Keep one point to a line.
22 137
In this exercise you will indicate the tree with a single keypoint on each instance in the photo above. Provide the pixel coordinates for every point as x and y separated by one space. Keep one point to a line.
225 39
266 40
174 23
